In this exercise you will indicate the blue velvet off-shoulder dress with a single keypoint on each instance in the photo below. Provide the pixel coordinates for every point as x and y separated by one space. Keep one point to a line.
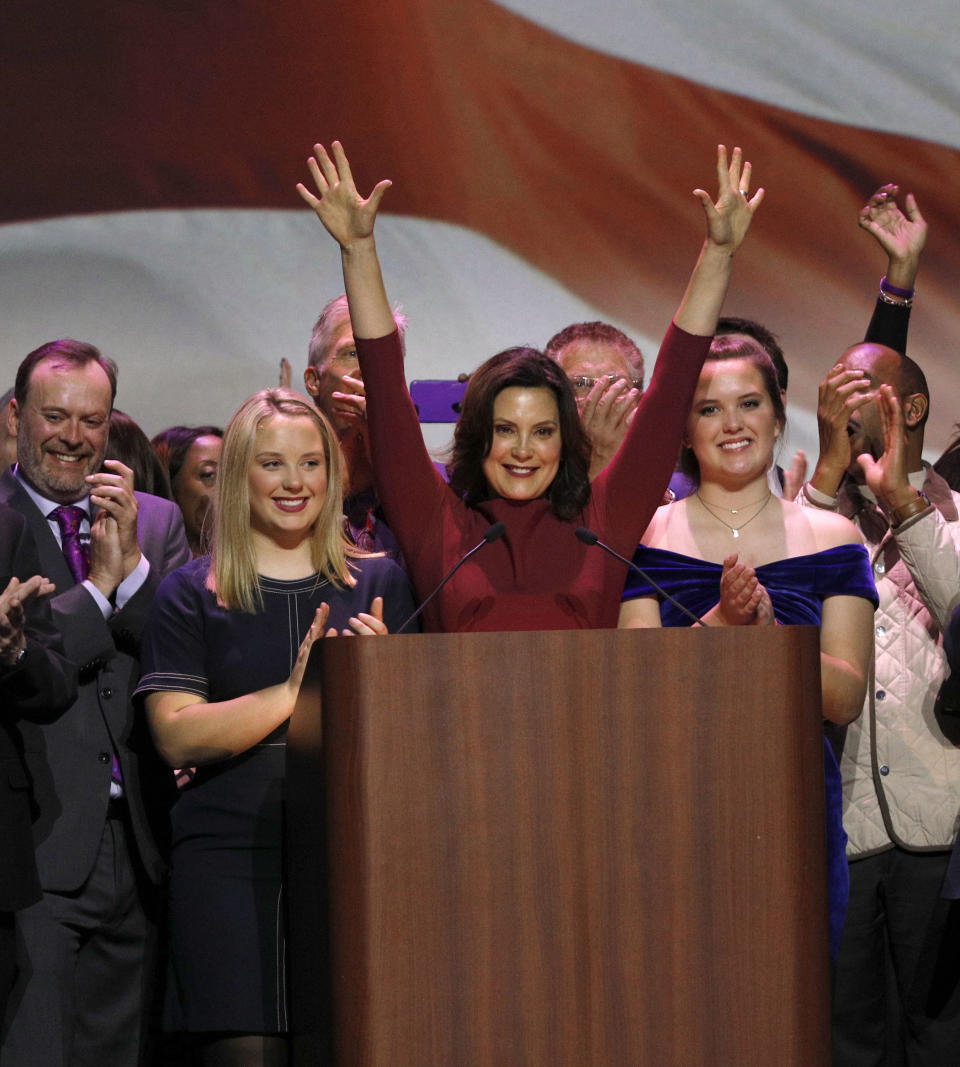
797 587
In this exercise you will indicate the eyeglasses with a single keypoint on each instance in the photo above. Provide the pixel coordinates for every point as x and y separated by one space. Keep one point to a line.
582 386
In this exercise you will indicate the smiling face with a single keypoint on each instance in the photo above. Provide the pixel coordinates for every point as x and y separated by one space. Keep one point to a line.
287 479
526 448
195 483
732 425
62 428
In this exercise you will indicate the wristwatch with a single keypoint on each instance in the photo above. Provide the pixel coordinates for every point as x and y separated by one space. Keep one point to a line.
17 661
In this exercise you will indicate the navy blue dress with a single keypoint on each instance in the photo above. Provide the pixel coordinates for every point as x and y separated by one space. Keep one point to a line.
797 588
227 938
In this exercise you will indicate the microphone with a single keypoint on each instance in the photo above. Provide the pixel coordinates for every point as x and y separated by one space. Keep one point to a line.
588 537
491 534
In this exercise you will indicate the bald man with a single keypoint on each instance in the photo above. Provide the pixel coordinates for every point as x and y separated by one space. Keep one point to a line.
901 769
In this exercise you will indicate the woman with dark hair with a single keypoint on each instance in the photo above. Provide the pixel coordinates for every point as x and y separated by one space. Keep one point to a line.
520 456
521 368
190 455
737 555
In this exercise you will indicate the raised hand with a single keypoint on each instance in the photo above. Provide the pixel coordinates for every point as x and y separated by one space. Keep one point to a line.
901 234
841 393
345 214
729 218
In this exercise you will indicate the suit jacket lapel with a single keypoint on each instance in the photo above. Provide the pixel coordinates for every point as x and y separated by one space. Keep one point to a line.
51 556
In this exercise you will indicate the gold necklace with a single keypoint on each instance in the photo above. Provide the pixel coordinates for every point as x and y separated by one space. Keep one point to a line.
735 530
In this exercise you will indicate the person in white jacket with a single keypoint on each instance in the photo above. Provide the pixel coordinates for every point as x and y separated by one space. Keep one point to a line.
901 770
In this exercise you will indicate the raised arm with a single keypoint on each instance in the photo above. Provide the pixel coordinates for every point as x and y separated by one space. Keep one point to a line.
728 220
631 486
902 234
349 219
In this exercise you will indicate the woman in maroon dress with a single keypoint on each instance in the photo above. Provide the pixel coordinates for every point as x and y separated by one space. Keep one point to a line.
520 457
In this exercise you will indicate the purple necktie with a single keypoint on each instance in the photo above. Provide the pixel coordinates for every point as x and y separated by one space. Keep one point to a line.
77 554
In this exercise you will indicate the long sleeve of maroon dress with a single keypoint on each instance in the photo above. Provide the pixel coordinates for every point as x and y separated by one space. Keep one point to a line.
538 576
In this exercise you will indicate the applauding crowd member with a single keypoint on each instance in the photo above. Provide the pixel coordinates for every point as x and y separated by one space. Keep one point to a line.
901 772
334 381
738 555
84 950
225 652
605 369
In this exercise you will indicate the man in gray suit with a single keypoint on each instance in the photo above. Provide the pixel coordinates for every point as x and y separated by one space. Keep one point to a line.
84 949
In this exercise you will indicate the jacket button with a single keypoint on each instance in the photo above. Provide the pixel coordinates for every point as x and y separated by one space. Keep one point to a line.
106 692
881 631
881 694
880 567
104 757
884 770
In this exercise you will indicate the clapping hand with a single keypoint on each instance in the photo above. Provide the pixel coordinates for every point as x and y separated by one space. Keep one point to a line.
114 548
13 617
743 600
841 394
366 624
606 413
351 406
887 476
795 475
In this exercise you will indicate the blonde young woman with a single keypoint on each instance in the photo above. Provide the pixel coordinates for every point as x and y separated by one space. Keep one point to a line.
737 555
224 655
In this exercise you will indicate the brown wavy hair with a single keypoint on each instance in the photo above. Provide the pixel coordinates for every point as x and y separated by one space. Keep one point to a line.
527 368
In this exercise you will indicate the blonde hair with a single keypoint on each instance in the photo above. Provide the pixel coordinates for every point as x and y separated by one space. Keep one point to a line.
233 566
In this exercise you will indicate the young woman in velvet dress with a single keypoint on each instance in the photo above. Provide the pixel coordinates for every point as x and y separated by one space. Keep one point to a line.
736 555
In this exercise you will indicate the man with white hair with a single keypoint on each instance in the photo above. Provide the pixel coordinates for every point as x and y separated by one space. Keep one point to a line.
334 382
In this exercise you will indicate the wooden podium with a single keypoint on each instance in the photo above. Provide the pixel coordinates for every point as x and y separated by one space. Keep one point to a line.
560 848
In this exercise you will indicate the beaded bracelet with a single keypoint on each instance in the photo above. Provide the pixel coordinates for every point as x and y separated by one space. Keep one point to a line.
888 289
894 301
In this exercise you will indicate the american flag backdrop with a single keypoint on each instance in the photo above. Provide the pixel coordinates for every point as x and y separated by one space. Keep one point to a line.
542 155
